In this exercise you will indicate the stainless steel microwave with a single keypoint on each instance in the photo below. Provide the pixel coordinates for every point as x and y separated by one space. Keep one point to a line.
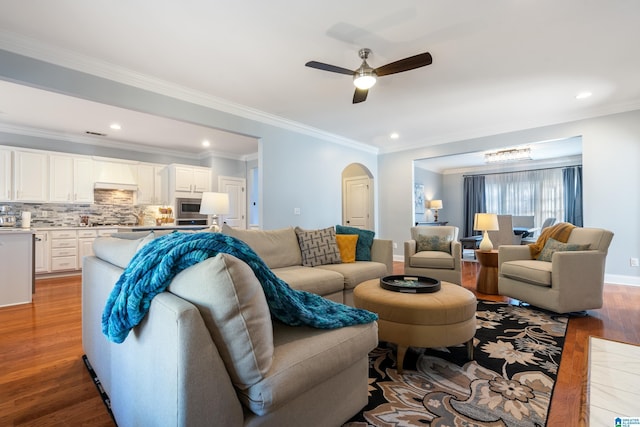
189 209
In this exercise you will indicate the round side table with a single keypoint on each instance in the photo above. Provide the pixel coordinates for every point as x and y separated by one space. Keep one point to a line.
487 282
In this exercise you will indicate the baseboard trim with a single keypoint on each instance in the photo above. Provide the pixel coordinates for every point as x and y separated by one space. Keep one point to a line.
618 279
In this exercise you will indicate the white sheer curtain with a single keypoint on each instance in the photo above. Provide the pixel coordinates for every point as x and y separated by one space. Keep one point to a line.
538 192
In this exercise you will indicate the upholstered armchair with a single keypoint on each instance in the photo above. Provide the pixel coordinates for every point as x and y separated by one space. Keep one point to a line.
434 252
570 280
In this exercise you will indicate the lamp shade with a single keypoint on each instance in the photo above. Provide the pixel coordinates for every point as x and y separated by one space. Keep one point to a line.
214 203
435 204
485 221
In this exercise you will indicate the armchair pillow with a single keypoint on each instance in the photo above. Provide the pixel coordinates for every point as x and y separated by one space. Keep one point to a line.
433 243
318 247
365 241
553 245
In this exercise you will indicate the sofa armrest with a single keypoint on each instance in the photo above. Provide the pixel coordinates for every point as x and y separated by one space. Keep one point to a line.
512 253
382 251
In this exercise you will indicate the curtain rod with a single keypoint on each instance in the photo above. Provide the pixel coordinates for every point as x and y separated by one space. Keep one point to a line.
528 170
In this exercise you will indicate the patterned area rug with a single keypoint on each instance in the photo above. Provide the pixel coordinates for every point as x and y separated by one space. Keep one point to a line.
510 382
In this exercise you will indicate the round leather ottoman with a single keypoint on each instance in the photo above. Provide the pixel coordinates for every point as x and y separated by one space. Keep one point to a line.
440 319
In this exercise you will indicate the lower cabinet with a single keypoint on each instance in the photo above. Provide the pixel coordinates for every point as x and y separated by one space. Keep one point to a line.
64 250
85 244
42 252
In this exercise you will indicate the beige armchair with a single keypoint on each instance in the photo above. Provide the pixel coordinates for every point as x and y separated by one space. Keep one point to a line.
572 281
442 261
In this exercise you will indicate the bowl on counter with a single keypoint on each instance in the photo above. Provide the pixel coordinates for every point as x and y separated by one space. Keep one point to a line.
7 220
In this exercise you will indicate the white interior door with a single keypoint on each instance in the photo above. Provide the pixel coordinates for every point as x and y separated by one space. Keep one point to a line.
357 202
236 188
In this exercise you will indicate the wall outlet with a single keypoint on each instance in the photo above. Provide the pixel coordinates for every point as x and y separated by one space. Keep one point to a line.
395 245
44 214
634 262
296 211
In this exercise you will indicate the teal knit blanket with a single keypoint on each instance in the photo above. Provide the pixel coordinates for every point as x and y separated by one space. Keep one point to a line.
153 267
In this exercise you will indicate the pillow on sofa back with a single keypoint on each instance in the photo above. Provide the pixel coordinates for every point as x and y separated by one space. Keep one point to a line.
365 241
277 248
433 243
234 309
318 247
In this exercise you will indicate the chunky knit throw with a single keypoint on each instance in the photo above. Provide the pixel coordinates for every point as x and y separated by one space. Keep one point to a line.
153 267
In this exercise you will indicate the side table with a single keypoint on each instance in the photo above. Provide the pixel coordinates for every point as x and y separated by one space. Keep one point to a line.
487 282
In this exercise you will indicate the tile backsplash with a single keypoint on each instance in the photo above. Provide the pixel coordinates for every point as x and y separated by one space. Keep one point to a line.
109 206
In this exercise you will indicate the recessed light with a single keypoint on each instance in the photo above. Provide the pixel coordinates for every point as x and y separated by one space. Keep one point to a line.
206 143
115 126
394 135
583 95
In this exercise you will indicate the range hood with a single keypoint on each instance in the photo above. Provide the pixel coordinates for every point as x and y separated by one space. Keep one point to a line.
110 175
115 186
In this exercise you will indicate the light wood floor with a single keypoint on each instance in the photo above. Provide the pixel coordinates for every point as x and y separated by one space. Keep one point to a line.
43 381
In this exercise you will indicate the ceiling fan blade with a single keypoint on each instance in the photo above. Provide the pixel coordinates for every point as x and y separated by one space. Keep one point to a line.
360 95
405 64
327 67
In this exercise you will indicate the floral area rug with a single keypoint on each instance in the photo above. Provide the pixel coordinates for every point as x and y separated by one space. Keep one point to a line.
517 353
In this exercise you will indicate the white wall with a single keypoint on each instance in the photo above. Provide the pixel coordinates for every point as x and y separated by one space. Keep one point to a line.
611 174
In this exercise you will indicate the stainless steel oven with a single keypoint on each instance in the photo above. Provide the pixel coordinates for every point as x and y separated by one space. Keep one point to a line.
188 212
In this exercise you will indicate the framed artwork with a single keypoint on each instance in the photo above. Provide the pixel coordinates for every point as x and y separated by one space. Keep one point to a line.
418 198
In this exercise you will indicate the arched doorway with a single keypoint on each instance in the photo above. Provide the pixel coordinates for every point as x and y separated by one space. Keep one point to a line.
357 197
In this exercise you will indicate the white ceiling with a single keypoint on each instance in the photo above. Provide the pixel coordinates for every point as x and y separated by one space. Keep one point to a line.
498 65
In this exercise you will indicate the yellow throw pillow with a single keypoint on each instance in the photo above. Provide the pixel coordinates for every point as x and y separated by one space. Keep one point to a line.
347 246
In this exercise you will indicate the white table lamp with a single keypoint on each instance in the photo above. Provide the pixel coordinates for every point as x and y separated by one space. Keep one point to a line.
214 204
435 205
485 222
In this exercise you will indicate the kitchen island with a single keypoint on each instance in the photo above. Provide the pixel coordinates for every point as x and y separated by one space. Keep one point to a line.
16 264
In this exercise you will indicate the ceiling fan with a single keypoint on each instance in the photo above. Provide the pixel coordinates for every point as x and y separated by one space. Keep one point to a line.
365 77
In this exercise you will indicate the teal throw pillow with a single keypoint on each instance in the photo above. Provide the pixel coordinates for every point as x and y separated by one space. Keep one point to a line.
553 245
365 241
433 243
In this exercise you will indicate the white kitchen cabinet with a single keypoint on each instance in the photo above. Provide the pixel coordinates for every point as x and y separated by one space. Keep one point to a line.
64 250
190 179
16 264
152 185
5 175
31 176
85 244
42 252
70 179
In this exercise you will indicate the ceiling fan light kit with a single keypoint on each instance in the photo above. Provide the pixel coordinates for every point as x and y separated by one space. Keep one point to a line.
365 77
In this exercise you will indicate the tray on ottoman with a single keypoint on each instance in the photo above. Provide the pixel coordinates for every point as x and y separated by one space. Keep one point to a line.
410 284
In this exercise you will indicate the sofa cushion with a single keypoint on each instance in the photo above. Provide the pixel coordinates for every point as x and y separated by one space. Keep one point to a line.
318 247
529 271
553 245
277 248
311 279
119 251
433 243
365 240
432 259
235 311
357 272
305 357
347 246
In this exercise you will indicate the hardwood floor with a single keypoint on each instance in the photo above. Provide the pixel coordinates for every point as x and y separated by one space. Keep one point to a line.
43 381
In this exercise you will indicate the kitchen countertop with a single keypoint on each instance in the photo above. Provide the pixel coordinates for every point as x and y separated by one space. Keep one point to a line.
16 230
111 227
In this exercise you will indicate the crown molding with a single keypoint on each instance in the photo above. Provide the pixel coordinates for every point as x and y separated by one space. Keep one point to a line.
21 45
100 142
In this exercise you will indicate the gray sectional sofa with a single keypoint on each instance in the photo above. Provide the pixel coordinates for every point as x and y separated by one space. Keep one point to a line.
208 352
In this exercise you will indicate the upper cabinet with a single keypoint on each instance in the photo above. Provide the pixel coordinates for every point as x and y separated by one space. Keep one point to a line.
152 185
189 179
31 176
5 175
71 179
